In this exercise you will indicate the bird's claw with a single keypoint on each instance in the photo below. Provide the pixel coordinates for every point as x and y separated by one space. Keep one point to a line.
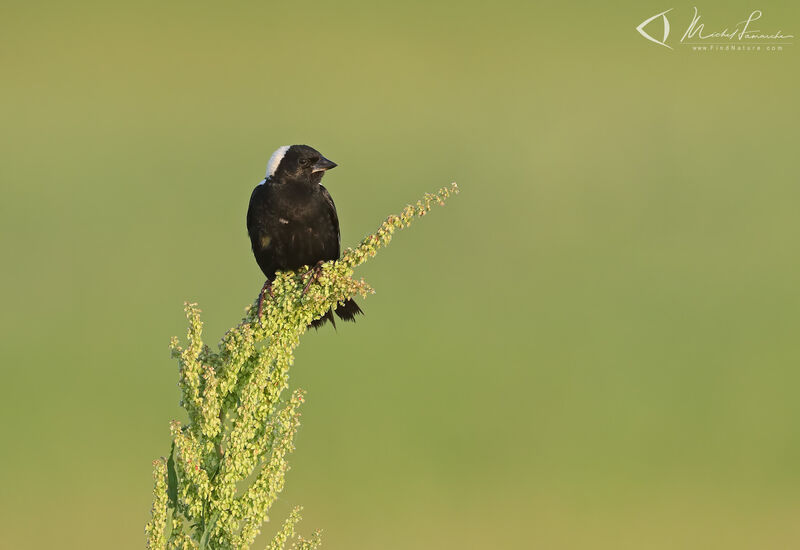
315 273
266 288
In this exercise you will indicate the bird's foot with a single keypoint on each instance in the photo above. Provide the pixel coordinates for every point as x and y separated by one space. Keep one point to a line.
315 273
266 288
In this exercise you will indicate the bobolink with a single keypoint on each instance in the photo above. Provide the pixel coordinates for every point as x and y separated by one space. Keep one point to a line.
292 220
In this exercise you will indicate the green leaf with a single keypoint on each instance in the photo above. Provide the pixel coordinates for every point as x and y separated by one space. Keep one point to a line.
209 530
172 479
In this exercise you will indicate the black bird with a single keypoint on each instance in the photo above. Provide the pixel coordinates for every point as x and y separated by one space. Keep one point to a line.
292 220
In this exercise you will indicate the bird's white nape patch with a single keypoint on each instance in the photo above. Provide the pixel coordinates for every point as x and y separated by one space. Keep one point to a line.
275 160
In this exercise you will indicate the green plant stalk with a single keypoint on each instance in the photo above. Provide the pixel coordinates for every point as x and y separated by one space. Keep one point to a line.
228 462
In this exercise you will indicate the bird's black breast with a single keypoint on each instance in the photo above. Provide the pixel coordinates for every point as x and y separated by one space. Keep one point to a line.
292 225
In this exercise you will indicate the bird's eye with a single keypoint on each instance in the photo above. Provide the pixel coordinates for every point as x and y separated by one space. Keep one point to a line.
303 162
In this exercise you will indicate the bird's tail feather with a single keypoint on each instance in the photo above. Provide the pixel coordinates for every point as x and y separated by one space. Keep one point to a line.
348 310
316 323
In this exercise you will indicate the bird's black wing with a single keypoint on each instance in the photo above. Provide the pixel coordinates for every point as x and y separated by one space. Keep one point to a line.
334 217
257 229
348 309
252 228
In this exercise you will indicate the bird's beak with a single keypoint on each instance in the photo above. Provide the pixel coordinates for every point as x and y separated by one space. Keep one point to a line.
323 164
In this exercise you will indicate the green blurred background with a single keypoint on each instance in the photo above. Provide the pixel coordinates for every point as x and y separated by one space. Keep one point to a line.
593 346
